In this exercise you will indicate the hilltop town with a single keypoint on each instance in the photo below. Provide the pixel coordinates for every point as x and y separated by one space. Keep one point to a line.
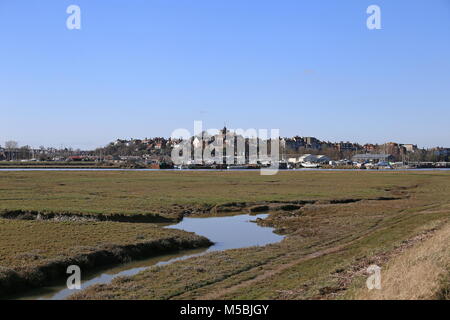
155 152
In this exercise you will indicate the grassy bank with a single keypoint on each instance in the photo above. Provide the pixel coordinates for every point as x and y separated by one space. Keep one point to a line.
417 272
34 253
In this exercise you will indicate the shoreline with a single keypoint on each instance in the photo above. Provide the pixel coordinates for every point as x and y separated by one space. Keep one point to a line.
16 282
12 169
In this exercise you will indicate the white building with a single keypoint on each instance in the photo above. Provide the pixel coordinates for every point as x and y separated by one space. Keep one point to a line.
313 158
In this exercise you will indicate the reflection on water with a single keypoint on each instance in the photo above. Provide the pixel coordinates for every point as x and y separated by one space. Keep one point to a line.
230 232
226 233
58 291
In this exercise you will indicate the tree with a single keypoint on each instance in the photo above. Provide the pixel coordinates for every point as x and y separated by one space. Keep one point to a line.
11 145
24 152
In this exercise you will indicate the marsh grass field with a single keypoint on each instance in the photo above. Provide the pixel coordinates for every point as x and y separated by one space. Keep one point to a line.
336 225
170 193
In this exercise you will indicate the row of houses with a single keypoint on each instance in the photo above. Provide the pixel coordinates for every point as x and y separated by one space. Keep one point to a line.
297 142
444 152
156 143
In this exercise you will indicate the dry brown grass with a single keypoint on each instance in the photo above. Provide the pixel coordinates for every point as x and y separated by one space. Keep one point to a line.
417 273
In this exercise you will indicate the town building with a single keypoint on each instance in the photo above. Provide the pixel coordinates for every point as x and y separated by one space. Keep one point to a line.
345 146
409 147
443 152
372 157
312 143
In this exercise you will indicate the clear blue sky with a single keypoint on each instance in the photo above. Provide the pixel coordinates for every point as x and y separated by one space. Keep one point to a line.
142 68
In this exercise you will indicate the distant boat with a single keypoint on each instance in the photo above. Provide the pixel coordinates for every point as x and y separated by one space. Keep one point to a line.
384 165
237 167
310 165
377 166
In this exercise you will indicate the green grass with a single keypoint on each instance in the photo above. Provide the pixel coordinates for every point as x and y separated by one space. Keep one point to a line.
364 229
32 253
387 208
28 243
168 193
